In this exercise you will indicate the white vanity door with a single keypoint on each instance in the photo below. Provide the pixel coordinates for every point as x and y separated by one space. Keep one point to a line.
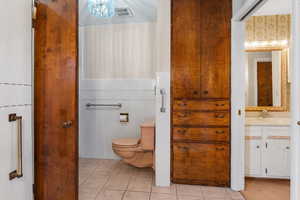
253 161
276 154
277 158
253 151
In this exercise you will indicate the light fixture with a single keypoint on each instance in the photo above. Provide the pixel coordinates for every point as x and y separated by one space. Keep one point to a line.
262 44
101 8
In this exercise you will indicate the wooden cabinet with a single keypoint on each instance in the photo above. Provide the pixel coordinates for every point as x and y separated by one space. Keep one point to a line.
201 91
267 153
201 163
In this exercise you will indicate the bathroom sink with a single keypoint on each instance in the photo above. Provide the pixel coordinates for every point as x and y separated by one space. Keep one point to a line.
275 121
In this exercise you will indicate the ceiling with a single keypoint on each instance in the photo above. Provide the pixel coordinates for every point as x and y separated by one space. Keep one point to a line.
275 7
144 11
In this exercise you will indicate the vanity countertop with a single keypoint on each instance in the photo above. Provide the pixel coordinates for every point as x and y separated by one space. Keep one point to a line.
274 121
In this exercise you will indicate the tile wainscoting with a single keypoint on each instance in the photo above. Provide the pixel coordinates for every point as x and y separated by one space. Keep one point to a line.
99 126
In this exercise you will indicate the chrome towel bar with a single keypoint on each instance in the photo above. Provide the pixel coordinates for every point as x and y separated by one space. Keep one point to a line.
88 105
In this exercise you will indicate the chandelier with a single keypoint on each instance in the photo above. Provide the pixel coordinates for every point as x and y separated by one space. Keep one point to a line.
102 8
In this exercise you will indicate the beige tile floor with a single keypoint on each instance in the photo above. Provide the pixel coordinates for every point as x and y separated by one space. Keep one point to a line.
114 180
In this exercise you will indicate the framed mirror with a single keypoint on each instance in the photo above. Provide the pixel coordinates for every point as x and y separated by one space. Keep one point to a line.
267 79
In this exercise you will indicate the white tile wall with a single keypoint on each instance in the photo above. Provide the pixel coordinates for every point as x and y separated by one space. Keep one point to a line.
98 127
15 96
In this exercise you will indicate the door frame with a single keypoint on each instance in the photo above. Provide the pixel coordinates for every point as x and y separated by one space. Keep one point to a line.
238 122
295 105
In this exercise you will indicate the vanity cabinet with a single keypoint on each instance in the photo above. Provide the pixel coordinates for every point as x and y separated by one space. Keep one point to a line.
200 98
267 152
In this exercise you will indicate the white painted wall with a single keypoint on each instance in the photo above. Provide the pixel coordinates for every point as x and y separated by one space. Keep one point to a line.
15 96
163 130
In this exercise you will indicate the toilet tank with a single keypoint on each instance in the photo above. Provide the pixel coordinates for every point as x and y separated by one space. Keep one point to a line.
148 135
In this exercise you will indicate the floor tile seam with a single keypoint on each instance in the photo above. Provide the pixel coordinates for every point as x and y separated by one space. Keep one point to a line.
102 188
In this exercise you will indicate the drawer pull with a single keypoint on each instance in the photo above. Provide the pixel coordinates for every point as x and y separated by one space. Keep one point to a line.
205 92
220 132
220 148
182 104
183 115
220 104
181 131
257 146
288 148
185 149
220 116
195 92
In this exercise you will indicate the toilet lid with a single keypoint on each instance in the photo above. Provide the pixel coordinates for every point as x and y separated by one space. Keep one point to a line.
126 142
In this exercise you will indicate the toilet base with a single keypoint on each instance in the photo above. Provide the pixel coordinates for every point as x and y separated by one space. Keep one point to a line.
139 159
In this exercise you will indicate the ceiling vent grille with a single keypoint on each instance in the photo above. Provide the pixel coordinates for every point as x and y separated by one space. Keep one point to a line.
123 12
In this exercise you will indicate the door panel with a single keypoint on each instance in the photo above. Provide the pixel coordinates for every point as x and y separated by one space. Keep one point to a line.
277 158
201 163
56 131
185 49
253 157
264 84
215 48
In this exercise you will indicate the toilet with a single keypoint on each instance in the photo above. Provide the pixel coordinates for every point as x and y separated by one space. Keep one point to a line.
137 152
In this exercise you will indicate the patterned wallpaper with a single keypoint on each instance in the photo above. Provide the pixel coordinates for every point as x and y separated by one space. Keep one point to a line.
119 51
268 28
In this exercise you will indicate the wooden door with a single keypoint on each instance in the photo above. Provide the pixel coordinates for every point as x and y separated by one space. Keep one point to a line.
55 99
264 84
201 91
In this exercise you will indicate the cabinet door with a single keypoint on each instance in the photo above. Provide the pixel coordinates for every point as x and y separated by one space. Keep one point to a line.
253 156
195 163
277 158
186 49
215 16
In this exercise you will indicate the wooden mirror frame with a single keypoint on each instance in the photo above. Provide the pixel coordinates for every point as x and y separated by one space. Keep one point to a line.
284 81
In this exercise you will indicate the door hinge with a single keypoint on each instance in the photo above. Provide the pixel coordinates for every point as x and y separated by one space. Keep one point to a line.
266 170
34 9
33 189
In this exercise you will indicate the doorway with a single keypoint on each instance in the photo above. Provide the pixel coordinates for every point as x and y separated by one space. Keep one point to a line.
110 88
258 145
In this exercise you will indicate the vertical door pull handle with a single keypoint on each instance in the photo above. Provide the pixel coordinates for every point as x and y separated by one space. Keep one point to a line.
18 173
163 94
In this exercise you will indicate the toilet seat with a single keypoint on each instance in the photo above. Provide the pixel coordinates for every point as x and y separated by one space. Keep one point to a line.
126 142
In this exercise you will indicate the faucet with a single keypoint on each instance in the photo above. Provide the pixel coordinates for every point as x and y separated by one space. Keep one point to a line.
264 113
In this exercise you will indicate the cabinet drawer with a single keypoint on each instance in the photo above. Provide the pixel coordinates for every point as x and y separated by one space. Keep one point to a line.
201 134
201 164
192 118
221 105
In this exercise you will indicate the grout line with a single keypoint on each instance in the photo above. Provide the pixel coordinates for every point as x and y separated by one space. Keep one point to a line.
13 106
16 84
